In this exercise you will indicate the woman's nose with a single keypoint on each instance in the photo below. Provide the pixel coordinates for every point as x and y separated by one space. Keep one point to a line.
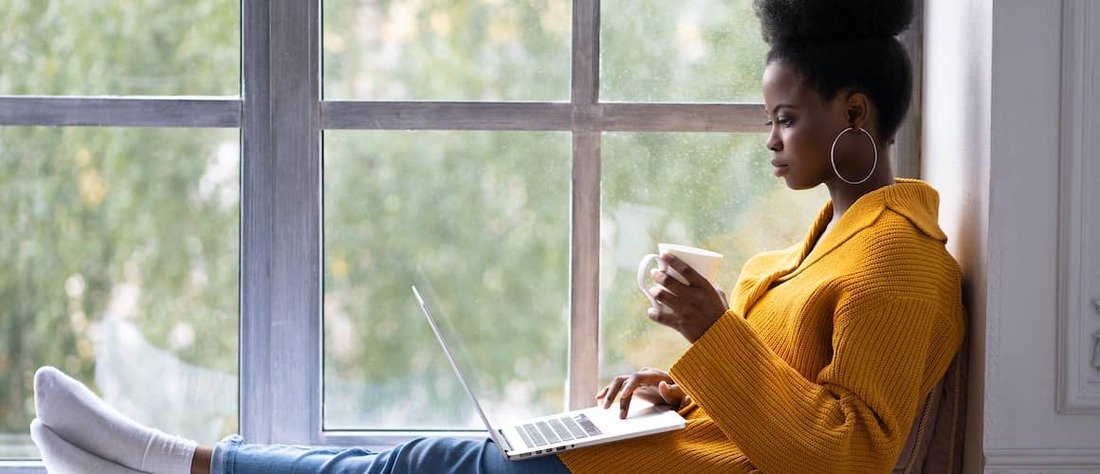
773 143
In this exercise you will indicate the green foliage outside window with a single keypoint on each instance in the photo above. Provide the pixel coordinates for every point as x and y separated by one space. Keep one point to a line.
135 224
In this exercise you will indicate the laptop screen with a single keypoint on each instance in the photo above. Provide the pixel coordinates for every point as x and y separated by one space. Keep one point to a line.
490 369
456 354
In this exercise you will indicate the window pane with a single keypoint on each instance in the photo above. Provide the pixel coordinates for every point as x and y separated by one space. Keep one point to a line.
710 190
683 51
118 47
483 217
118 264
447 50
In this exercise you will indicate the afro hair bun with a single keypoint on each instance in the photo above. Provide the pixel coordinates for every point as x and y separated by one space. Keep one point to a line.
801 20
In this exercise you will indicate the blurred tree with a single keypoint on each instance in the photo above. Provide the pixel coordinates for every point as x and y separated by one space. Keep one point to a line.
135 223
484 216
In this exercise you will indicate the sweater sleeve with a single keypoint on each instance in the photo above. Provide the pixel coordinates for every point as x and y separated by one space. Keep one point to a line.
887 353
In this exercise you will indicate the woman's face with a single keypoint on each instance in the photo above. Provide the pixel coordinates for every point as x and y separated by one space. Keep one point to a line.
803 127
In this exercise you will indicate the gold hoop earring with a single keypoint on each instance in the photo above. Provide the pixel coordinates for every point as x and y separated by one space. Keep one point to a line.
832 156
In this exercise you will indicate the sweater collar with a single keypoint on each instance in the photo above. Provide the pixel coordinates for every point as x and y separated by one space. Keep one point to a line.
913 199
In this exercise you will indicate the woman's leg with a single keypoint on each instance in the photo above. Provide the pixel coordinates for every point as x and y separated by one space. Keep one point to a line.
200 464
422 455
76 428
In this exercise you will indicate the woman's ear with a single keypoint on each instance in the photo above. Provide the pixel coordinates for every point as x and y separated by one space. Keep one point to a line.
857 109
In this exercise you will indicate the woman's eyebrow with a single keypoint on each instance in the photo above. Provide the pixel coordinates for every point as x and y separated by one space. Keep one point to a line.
780 106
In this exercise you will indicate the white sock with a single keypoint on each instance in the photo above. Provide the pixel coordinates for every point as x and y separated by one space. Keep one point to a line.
61 457
81 418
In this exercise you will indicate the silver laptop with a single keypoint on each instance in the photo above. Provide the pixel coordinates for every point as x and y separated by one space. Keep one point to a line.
564 431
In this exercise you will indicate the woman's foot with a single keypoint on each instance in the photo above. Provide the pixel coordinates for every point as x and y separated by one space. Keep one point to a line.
61 457
76 415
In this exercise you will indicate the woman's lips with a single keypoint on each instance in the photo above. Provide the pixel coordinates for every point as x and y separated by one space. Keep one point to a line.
778 168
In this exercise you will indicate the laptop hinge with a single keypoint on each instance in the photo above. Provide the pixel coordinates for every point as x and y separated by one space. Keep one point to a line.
504 439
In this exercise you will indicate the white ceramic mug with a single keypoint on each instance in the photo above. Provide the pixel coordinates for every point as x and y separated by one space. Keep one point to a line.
704 262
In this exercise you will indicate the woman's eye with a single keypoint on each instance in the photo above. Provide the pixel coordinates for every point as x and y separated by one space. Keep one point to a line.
783 121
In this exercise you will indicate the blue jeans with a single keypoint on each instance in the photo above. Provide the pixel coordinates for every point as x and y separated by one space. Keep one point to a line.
432 455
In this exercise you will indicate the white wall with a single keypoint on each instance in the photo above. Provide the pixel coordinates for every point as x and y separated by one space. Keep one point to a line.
992 72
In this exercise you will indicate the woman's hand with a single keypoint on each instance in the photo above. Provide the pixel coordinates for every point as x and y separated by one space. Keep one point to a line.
652 385
690 309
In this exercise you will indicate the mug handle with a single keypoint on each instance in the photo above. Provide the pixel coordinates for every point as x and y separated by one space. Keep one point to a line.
641 277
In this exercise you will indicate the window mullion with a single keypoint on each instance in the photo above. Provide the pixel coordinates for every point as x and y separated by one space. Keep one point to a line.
120 111
585 247
586 52
280 347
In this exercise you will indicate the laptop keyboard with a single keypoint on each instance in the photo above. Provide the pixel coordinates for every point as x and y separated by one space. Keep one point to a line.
565 428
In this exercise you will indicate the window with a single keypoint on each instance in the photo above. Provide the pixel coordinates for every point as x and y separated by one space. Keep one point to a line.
519 155
120 204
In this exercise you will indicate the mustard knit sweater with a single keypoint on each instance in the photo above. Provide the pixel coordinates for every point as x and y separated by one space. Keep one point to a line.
825 355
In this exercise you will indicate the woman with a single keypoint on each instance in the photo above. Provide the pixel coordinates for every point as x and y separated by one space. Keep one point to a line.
819 362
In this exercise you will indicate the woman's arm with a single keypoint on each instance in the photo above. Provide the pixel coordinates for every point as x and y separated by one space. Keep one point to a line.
854 417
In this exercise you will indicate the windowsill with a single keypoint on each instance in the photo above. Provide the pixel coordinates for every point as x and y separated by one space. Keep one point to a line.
385 440
22 466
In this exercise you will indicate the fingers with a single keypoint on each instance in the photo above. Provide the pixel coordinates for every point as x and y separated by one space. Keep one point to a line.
626 386
621 387
644 383
689 309
693 277
609 392
624 401
669 287
672 394
672 284
722 295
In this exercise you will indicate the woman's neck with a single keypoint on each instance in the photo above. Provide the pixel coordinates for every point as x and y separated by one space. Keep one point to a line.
844 195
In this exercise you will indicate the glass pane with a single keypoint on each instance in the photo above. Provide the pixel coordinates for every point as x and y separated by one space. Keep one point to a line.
118 265
120 47
481 216
683 51
446 49
711 190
